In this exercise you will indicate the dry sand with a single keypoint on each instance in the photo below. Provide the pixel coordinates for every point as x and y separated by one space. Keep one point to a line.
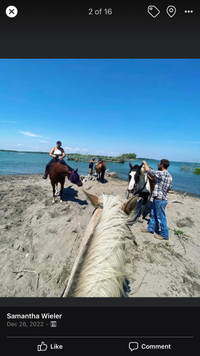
39 241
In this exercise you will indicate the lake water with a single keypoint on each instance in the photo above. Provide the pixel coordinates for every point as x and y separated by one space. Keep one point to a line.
34 163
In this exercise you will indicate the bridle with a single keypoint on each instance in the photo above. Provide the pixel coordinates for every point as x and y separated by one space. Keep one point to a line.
139 190
74 176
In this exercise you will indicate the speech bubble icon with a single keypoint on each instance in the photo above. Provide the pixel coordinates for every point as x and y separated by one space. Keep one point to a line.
133 346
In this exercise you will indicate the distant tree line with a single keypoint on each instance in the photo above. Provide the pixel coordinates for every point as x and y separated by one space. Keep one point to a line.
2 150
80 157
121 159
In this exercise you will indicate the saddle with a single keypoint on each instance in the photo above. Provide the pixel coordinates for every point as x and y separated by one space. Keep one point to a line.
152 180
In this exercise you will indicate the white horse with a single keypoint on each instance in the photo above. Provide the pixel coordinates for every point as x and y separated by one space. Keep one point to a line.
99 269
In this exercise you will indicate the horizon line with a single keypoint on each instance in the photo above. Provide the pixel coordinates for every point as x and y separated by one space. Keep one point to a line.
104 155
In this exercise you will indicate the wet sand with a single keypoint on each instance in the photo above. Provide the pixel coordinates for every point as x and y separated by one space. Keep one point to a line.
39 240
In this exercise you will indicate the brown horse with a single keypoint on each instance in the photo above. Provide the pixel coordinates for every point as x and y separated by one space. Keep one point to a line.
100 169
57 174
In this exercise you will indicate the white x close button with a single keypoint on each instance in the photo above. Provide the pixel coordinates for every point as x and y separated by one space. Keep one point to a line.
11 11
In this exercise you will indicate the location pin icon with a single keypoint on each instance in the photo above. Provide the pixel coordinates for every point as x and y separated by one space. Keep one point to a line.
171 10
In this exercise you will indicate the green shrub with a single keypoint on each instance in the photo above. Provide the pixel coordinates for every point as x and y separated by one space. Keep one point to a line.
196 171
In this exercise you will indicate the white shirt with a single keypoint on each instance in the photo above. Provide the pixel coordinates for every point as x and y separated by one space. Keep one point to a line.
57 152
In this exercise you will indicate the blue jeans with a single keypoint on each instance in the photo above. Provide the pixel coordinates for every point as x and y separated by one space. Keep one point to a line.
158 219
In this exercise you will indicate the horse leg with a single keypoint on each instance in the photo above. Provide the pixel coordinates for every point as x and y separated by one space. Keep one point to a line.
54 192
142 210
145 205
144 197
102 175
61 190
56 189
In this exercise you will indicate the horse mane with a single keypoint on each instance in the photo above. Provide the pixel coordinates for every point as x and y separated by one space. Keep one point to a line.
101 271
70 168
137 176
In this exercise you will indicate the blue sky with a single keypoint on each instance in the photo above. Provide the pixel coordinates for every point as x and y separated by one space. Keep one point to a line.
150 107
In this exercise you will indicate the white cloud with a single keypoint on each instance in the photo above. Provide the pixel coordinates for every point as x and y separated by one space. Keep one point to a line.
71 149
75 149
19 144
30 134
43 141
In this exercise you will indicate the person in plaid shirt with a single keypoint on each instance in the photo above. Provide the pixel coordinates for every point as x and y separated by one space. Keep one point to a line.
158 221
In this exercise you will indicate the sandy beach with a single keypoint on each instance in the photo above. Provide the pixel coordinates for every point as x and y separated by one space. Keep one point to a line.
39 240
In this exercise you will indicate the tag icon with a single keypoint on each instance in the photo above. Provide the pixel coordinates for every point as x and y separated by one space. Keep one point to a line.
153 11
171 10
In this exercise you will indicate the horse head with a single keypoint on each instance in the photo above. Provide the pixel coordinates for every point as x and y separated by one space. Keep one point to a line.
133 176
75 178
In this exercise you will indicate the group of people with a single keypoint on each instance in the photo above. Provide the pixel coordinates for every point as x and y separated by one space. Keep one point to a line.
158 222
57 153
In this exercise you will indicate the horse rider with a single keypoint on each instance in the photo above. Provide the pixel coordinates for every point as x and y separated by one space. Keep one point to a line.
162 185
91 164
58 154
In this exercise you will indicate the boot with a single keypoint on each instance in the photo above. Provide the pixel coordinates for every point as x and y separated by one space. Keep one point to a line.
45 175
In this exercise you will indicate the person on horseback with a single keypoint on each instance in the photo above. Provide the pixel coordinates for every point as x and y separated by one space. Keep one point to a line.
58 154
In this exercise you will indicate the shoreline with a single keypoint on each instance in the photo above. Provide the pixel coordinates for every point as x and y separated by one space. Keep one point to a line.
94 155
181 192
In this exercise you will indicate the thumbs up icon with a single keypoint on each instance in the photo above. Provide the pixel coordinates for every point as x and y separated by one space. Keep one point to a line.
42 346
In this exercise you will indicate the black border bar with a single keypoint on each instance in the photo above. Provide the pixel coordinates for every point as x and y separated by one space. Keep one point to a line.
100 302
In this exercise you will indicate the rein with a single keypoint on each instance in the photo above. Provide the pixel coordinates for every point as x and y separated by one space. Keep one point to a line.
71 176
99 206
140 190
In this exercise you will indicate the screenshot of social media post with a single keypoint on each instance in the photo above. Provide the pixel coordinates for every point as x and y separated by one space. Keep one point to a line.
99 178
